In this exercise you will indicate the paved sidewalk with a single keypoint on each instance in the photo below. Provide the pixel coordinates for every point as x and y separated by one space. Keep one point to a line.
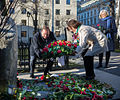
114 63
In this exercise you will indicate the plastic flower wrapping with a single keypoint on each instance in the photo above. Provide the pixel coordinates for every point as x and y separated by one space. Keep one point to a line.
58 48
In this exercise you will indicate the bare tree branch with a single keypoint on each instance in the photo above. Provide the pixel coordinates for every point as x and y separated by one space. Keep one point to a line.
5 18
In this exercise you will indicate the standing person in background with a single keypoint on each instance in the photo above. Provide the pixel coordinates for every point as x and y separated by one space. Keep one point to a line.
91 43
39 41
107 25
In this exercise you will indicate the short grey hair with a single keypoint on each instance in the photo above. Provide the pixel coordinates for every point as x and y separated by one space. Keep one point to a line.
107 14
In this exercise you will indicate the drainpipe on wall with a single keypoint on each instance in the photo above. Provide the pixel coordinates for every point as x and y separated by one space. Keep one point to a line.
52 15
36 11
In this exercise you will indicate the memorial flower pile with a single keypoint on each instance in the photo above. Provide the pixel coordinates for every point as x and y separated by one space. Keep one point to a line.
30 89
73 87
58 48
64 87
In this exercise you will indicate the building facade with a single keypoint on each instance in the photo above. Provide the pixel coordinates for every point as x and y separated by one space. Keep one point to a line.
52 13
118 16
88 10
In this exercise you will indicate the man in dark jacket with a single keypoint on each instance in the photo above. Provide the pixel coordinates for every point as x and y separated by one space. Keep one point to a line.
39 41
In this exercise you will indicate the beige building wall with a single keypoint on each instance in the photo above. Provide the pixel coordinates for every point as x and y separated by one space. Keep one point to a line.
63 17
30 6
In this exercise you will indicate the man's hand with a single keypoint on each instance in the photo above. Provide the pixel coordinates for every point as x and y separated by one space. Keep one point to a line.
41 50
51 59
74 53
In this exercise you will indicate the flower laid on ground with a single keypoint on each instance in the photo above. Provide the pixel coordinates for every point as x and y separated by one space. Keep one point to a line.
44 77
30 90
58 48
73 87
65 87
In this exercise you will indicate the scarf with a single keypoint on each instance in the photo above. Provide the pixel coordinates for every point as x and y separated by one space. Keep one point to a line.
76 35
108 25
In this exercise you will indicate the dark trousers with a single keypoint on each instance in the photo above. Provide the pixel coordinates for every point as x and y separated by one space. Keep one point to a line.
32 65
89 66
107 58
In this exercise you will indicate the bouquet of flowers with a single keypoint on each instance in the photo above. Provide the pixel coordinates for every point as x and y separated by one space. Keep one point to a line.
102 29
58 48
105 31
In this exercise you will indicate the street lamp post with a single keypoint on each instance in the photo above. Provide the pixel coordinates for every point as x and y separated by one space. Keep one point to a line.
35 24
21 31
28 15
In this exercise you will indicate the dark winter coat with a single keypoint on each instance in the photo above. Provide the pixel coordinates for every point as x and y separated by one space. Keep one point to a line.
110 30
38 43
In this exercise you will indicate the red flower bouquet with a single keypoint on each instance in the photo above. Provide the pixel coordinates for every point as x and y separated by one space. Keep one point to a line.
102 29
58 48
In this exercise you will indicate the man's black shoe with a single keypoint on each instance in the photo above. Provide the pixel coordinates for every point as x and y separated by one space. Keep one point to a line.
32 76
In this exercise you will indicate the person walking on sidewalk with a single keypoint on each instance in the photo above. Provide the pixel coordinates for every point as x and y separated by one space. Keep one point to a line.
39 41
91 42
107 25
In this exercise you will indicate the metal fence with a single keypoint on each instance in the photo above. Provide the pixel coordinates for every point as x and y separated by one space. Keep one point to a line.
24 58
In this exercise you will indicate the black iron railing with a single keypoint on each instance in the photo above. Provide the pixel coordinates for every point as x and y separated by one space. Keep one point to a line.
24 58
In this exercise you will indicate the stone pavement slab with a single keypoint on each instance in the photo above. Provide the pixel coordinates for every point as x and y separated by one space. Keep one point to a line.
110 79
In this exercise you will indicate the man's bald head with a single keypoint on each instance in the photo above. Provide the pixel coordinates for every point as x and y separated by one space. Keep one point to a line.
45 32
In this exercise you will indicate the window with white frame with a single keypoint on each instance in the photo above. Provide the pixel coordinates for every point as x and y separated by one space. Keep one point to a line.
23 22
46 22
46 1
57 32
67 12
58 23
46 11
57 1
68 2
57 11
